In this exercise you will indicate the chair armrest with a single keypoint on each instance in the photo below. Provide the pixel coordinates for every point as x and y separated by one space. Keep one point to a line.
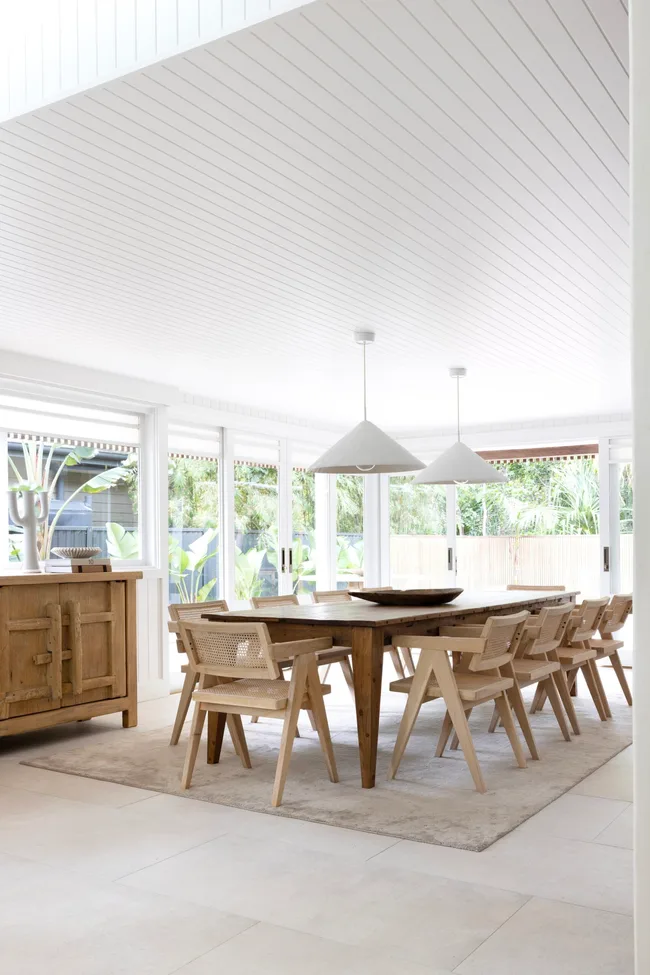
173 626
469 629
285 651
531 632
446 643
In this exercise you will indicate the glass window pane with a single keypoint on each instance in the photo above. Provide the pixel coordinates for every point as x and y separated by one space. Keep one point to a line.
540 528
93 494
303 504
256 517
626 508
418 534
349 529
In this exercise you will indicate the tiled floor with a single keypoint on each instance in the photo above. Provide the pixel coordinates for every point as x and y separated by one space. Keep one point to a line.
101 879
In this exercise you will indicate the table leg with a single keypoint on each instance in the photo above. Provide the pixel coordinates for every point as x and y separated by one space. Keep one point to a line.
367 665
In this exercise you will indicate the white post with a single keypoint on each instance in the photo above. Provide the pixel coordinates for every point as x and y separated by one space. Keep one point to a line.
376 541
640 211
228 516
325 531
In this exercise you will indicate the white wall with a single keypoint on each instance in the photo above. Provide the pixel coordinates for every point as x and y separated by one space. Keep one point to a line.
50 49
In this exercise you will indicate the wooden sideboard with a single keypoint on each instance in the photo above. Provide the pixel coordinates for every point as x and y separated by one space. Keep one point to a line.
67 648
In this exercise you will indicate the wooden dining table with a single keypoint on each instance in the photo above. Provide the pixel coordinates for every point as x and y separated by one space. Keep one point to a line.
368 628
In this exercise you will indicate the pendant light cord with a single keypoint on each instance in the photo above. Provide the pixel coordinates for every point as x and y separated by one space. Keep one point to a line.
365 409
458 407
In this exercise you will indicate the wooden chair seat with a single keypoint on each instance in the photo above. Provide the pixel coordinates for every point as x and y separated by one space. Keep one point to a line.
271 695
574 656
605 648
527 669
471 687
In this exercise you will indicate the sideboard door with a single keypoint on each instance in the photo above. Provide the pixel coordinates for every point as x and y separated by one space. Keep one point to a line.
94 640
30 649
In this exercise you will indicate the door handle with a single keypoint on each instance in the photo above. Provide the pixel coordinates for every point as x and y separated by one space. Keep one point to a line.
291 559
284 560
606 558
450 559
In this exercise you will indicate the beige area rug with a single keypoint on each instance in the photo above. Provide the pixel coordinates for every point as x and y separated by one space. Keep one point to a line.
432 800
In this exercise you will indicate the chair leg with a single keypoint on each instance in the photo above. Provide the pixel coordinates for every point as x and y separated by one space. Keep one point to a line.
447 684
397 662
508 723
572 681
601 690
556 704
622 679
455 741
236 729
414 702
346 667
538 700
319 713
593 689
216 728
494 723
297 686
189 683
563 690
517 702
408 660
193 745
445 731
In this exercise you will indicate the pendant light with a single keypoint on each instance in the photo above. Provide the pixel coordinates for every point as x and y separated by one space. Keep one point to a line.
366 449
459 464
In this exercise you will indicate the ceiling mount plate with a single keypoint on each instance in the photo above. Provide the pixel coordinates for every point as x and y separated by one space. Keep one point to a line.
458 372
364 338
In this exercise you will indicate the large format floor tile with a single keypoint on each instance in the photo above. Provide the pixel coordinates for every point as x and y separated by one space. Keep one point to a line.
101 842
574 817
280 951
620 832
589 874
612 781
70 786
429 920
52 921
549 938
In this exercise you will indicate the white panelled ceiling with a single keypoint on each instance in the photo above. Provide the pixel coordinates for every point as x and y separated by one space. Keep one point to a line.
450 173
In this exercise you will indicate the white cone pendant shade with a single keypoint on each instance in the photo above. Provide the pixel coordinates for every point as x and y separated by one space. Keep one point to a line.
459 465
366 450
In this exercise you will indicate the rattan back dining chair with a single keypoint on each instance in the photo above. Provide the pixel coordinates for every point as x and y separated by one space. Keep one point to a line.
576 654
536 663
475 678
188 612
607 647
239 673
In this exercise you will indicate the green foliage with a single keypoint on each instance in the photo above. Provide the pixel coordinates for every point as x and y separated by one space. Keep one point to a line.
349 504
304 566
38 459
349 558
120 543
193 487
417 509
539 498
627 500
186 566
248 566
